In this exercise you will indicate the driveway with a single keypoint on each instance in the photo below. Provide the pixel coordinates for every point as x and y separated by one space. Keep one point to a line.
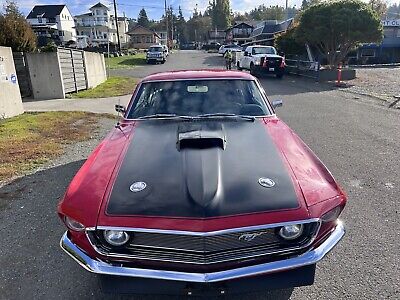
356 137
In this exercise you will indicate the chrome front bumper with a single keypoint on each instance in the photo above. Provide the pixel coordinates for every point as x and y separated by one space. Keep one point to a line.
308 258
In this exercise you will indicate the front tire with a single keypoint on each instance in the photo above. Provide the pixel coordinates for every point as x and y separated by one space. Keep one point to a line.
252 70
238 66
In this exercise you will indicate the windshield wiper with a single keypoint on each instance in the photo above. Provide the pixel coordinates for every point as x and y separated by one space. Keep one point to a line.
250 118
162 116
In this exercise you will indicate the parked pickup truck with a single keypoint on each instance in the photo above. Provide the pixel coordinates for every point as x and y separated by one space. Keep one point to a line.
261 60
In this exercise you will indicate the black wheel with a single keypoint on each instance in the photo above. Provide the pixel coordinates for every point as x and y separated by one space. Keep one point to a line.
252 71
163 62
238 66
279 75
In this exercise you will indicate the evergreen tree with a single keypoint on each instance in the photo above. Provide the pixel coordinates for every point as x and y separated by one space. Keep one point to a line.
220 13
15 31
143 20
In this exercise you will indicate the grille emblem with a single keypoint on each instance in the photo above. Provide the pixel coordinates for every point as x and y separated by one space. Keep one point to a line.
137 186
266 182
250 236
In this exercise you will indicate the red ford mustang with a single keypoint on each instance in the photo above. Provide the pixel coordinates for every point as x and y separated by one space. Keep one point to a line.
201 189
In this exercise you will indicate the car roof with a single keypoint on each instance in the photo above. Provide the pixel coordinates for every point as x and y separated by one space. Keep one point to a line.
198 74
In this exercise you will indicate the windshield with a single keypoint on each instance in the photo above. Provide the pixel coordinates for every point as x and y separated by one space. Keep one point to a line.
199 97
263 50
155 49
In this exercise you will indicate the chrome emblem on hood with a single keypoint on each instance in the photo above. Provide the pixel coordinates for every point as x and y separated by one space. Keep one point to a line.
138 186
266 182
250 236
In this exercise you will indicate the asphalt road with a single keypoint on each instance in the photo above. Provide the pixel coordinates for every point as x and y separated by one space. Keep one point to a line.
356 137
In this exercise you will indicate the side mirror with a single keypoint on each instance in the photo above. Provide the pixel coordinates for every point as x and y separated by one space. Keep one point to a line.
277 103
120 108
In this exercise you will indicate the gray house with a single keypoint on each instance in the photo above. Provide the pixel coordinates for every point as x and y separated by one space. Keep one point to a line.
386 52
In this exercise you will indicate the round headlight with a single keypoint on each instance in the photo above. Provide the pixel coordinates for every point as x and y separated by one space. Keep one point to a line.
291 232
115 237
73 225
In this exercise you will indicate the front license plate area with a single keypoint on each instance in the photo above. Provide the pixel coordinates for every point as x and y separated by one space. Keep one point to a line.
271 69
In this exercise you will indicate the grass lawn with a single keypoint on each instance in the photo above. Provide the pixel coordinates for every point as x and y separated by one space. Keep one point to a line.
112 87
126 62
31 139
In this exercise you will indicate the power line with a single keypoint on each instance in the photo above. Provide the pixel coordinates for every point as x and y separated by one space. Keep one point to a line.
148 6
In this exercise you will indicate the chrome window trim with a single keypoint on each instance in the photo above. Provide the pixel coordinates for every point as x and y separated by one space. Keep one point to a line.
258 84
203 234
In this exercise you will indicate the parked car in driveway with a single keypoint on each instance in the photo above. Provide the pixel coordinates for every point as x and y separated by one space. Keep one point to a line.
155 54
233 48
201 189
261 60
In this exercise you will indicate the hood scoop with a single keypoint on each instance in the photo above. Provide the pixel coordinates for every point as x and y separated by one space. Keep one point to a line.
201 136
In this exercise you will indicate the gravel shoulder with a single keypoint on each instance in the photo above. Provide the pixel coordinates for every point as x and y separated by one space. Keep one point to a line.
382 83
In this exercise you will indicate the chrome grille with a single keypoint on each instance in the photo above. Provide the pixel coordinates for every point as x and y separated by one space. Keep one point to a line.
208 248
202 243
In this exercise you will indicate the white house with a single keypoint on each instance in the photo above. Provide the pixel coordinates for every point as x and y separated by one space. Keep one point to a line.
97 27
52 22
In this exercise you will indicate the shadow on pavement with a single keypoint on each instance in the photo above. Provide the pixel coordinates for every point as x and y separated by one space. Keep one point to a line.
214 61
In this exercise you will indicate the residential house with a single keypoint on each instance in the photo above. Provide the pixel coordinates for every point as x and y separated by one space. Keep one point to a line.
386 52
142 37
265 32
98 27
216 36
52 22
239 33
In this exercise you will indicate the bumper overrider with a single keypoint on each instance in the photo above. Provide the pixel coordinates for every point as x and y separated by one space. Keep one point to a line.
307 259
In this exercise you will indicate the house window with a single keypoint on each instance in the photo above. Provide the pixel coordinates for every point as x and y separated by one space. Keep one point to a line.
148 39
105 35
105 13
368 52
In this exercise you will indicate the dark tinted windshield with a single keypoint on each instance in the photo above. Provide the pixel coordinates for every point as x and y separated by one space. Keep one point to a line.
197 97
263 50
155 49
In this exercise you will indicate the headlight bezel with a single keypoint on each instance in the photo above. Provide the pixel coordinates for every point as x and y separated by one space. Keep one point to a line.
331 215
300 232
73 224
125 234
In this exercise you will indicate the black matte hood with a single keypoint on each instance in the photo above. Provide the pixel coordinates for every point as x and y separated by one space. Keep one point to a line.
200 169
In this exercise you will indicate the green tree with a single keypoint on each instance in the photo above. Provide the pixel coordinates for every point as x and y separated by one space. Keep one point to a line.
329 27
15 31
267 13
143 20
181 27
379 6
220 13
287 43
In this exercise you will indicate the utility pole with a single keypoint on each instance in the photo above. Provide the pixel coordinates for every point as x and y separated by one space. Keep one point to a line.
116 25
166 20
287 12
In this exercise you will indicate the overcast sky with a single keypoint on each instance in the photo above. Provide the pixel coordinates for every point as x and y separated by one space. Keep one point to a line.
154 8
